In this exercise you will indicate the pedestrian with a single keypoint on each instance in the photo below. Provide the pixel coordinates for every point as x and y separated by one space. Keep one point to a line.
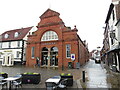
37 62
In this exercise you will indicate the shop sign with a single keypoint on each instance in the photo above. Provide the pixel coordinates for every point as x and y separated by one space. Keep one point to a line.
48 43
8 51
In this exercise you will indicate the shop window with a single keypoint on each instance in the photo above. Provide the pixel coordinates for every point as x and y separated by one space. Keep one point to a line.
49 35
68 49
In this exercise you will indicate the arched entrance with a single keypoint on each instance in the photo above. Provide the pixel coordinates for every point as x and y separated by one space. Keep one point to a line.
54 56
49 56
44 56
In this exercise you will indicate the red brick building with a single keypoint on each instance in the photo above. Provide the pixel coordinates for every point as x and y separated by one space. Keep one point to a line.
54 43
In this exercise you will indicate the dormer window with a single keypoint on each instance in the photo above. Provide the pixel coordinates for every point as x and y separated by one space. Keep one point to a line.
16 34
6 35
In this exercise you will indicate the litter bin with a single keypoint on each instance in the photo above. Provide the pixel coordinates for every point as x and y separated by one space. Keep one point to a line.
70 65
69 78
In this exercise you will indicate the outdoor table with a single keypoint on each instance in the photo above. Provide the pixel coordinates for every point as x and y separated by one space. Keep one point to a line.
10 79
1 78
52 82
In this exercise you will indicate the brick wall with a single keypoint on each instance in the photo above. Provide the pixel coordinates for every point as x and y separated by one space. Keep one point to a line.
50 21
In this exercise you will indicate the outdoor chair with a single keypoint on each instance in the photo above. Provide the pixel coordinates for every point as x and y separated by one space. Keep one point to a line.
3 83
17 83
63 84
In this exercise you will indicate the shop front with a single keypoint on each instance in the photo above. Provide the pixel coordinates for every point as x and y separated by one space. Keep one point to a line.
8 58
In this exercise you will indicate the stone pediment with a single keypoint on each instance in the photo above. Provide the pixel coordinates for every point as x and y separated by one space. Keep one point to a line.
49 13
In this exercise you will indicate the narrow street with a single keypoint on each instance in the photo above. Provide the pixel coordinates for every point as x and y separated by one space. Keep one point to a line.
97 75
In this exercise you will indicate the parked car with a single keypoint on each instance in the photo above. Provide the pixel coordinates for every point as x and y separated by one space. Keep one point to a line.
97 60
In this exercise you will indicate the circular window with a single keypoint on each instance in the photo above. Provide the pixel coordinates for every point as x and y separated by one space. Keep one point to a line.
6 35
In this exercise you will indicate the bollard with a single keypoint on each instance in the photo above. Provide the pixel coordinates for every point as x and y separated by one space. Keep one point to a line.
83 76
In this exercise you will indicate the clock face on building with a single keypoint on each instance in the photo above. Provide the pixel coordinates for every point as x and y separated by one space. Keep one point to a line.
6 35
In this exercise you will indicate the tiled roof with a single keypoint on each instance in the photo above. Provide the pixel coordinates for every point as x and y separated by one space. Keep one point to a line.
11 34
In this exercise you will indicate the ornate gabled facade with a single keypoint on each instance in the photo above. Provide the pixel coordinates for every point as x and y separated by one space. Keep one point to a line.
54 43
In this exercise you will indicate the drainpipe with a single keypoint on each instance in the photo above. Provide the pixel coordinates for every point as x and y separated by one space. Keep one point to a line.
78 52
22 52
62 58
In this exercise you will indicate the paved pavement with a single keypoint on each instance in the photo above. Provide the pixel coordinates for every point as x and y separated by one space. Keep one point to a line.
96 75
45 74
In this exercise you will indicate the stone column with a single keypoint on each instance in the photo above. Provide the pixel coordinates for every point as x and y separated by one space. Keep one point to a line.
48 57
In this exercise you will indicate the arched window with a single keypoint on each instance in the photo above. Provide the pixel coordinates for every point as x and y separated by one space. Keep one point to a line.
49 35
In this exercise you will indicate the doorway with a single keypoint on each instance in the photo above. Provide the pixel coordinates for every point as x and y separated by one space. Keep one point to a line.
8 60
54 56
49 56
44 56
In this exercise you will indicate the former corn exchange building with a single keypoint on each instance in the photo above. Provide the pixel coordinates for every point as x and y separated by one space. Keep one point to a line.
55 44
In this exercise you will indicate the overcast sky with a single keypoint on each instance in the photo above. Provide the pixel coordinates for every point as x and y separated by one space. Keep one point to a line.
88 15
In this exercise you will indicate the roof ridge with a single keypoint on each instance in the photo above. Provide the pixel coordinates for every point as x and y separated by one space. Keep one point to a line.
18 29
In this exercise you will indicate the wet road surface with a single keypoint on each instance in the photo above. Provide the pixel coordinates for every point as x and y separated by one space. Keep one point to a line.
97 75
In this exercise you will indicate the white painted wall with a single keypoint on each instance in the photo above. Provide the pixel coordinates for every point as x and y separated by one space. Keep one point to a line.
4 46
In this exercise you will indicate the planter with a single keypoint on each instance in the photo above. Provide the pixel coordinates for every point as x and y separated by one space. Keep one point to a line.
31 78
69 78
3 74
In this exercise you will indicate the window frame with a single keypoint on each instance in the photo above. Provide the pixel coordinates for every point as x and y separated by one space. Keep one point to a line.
18 44
33 52
0 45
17 54
9 45
6 36
49 36
68 51
16 34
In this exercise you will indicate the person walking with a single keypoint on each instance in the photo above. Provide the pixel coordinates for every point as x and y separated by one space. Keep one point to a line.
37 62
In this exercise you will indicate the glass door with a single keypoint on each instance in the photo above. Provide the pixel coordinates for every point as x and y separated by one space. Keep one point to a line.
44 59
54 56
